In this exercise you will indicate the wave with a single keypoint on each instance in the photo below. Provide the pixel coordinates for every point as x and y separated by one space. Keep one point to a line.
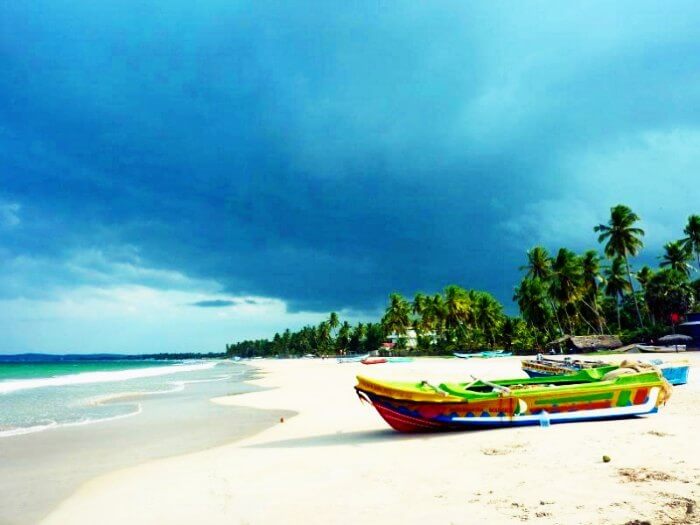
83 378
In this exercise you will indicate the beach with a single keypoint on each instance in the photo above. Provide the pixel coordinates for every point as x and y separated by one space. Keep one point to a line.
336 461
39 469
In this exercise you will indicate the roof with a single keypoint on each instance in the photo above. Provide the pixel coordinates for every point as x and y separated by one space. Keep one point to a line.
588 342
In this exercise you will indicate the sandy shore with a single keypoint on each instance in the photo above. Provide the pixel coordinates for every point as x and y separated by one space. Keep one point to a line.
39 470
338 462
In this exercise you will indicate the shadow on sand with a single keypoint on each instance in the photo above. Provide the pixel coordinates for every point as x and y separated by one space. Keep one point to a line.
360 437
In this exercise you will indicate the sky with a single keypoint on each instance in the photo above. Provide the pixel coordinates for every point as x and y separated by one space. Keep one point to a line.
175 176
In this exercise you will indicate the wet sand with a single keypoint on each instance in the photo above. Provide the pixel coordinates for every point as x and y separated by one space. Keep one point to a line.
39 470
338 462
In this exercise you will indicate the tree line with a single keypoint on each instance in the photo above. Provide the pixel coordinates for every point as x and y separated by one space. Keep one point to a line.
563 293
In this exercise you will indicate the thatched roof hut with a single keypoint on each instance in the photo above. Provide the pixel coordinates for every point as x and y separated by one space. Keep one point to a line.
586 343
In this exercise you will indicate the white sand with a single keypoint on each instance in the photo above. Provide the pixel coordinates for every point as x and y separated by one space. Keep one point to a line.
338 462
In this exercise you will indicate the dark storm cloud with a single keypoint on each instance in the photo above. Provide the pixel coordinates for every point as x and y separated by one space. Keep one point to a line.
325 154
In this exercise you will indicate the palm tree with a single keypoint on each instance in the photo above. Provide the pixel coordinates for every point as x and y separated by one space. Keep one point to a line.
343 336
591 281
458 307
623 240
488 315
539 264
676 257
397 317
531 296
692 241
333 321
566 280
643 276
616 285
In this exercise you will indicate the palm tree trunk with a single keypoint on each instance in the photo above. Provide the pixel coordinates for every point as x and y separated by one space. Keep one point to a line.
617 307
634 297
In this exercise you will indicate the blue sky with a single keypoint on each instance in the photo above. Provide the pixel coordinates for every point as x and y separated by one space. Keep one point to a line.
174 176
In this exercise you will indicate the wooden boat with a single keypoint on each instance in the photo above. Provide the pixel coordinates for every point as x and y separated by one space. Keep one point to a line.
583 396
545 367
352 358
661 349
373 360
676 373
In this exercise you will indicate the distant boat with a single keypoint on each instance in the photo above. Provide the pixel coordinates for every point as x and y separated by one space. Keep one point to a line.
352 358
485 354
661 349
373 360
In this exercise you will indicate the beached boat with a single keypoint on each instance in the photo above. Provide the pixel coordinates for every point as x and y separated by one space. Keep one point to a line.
544 367
584 396
675 372
485 354
661 349
373 360
352 358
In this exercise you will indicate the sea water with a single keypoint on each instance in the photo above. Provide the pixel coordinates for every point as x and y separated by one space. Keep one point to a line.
40 396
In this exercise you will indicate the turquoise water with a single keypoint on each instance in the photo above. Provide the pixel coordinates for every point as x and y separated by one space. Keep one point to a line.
41 396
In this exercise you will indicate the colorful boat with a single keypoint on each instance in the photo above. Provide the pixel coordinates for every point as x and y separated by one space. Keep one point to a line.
583 396
675 373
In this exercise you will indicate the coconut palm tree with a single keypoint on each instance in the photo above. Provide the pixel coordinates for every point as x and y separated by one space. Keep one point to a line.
591 282
343 336
566 281
532 299
457 307
623 239
676 257
643 276
615 284
539 264
397 317
488 315
692 241
333 321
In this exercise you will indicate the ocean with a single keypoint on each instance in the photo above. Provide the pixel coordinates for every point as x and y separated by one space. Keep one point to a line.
39 396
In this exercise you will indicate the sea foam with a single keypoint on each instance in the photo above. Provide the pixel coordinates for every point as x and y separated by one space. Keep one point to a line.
84 378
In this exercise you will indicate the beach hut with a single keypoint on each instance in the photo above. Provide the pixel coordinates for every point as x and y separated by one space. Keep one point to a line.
585 343
691 328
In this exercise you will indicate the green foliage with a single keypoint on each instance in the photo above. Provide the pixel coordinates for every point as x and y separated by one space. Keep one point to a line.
669 291
566 293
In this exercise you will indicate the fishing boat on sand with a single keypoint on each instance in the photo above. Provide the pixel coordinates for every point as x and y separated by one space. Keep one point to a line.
661 349
583 396
675 372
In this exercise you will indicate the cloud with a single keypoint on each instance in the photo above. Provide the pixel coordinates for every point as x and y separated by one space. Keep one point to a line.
213 303
325 156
